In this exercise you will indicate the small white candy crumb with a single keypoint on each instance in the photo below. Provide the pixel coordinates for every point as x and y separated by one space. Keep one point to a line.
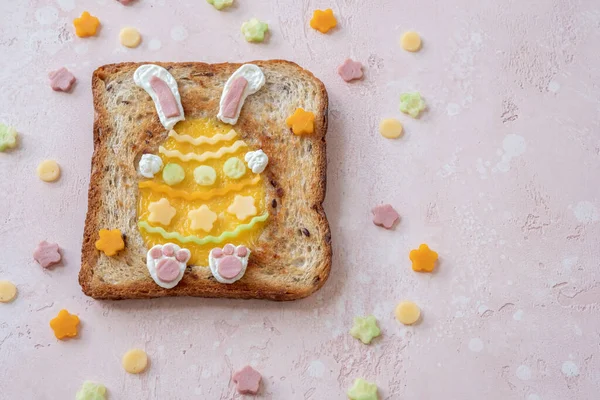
518 315
475 345
150 164
154 44
586 212
257 161
179 33
570 369
316 369
523 373
534 396
553 86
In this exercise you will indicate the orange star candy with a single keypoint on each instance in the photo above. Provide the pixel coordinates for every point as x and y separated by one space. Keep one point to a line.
323 20
111 242
86 25
302 122
423 259
64 325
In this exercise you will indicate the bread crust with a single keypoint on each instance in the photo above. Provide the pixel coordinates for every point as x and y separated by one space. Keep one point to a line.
126 126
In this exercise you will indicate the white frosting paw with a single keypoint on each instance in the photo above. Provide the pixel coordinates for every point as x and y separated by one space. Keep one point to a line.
167 263
229 263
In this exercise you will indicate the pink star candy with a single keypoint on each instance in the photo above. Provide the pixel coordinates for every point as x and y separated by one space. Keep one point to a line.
247 380
350 70
46 254
61 80
385 215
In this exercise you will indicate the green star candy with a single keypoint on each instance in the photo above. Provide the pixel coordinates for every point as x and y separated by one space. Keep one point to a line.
8 137
412 104
254 30
365 329
91 391
220 4
362 390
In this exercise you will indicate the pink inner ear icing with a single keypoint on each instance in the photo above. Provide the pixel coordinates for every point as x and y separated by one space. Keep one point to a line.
156 252
165 97
242 251
229 267
182 256
229 249
167 270
168 250
234 96
216 253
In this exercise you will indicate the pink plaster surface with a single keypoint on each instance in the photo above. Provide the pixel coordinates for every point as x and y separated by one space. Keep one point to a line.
499 176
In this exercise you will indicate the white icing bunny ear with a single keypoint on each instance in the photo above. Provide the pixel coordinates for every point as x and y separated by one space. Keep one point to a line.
247 80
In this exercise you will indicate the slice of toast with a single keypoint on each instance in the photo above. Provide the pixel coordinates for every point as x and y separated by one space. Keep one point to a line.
292 256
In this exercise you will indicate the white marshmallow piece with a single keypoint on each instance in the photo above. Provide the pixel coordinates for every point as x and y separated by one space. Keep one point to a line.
150 165
257 161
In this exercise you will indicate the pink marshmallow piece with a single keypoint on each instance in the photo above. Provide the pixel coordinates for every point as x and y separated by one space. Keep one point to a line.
61 80
384 215
125 2
350 70
47 254
247 380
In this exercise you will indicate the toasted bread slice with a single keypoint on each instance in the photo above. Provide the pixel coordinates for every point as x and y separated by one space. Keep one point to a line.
292 256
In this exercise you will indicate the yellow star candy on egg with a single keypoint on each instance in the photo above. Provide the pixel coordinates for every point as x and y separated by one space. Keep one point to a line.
86 25
362 390
161 211
302 122
110 242
242 207
202 218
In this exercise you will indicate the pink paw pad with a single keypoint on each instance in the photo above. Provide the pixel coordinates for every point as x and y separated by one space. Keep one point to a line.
167 270
242 251
229 267
228 249
168 250
156 252
217 252
182 256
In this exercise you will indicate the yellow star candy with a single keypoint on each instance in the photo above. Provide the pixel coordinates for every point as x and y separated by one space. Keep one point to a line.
323 20
111 241
161 212
363 390
423 259
86 25
91 391
302 122
242 207
202 218
412 104
365 329
8 137
64 325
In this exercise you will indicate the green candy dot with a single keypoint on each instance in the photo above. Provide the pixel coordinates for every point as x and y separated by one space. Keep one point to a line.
205 175
234 168
254 30
173 174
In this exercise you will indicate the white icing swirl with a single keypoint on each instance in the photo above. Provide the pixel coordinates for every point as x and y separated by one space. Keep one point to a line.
257 161
149 165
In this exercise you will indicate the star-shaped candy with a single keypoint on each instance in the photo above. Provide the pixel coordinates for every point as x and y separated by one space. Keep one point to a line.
423 259
365 329
91 391
8 137
202 218
247 380
323 20
220 4
64 325
362 390
110 242
302 122
161 211
384 215
61 80
412 104
46 254
350 70
125 2
86 25
242 207
254 30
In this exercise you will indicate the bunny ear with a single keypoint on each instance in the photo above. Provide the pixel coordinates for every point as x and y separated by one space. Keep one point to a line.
183 255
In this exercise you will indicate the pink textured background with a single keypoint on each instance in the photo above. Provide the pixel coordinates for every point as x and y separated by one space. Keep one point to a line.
500 176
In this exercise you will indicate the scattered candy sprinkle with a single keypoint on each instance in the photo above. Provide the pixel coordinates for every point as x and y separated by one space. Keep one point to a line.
384 215
411 41
110 242
423 259
254 30
323 20
247 380
64 325
130 37
46 254
302 122
135 361
8 291
350 70
91 391
8 137
390 128
365 329
407 312
220 4
362 390
412 104
48 171
61 80
86 25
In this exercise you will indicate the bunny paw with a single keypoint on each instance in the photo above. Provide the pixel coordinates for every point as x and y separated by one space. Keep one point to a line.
228 264
167 263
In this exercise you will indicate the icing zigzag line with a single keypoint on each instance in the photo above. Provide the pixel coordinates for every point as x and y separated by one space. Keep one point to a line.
169 191
204 156
203 139
207 239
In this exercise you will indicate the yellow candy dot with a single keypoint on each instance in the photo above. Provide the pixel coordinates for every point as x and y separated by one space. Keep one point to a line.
48 171
135 361
8 291
411 41
130 37
390 128
407 312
